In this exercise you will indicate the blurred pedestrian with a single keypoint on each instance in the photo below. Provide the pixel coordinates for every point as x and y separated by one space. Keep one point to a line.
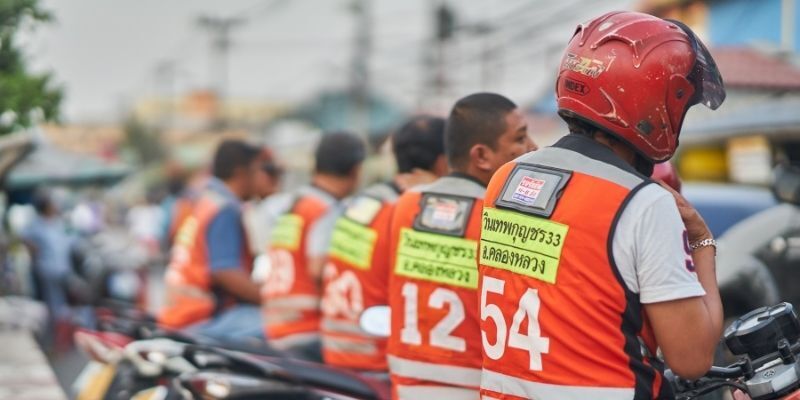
299 242
50 244
208 283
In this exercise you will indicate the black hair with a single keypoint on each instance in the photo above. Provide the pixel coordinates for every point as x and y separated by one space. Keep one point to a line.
232 154
418 143
41 200
476 119
584 128
338 153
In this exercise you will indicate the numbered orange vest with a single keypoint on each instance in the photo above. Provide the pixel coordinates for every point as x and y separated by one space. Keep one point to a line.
557 320
190 297
355 278
434 348
290 295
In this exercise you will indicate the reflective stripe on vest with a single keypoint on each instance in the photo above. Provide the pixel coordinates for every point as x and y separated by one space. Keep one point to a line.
186 292
276 317
294 340
293 302
345 345
500 383
576 162
435 392
441 373
340 326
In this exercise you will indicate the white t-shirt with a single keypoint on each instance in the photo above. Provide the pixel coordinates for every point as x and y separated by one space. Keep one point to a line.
650 249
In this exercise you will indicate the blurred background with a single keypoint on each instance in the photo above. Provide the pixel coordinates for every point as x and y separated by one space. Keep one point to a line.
115 106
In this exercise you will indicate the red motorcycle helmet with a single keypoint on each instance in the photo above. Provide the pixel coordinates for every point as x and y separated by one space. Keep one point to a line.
667 173
634 76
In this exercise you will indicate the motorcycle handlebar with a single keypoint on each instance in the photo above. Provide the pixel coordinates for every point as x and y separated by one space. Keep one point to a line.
725 372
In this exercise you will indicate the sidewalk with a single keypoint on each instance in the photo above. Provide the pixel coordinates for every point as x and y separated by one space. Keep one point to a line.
24 371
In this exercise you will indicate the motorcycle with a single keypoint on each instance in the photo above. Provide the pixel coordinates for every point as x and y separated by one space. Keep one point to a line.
245 376
767 340
757 257
134 358
129 353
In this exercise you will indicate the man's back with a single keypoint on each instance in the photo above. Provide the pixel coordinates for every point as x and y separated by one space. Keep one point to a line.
291 291
434 348
576 275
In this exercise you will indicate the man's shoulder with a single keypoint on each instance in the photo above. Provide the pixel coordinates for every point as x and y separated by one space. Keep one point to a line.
650 209
651 194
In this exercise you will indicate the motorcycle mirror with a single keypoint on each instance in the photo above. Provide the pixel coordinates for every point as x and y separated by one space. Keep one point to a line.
376 321
786 186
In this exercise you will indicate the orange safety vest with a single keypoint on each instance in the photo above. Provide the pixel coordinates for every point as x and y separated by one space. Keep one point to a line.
181 210
355 278
290 296
190 296
558 321
434 347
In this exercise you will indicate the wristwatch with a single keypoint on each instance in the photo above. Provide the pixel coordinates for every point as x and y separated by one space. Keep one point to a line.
704 243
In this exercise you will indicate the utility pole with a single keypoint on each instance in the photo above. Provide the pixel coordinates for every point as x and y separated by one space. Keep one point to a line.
220 30
788 23
166 72
359 66
435 80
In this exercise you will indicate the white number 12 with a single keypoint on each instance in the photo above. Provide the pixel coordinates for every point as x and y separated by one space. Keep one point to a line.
441 333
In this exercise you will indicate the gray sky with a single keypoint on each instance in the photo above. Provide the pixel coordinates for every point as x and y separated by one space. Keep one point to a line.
105 52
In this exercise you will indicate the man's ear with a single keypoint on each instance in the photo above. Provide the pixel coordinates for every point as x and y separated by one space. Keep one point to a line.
355 173
480 156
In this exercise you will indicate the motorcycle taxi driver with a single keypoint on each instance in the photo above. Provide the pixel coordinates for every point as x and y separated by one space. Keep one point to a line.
575 299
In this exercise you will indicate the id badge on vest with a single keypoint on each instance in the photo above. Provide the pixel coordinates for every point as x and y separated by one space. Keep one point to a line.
517 235
435 249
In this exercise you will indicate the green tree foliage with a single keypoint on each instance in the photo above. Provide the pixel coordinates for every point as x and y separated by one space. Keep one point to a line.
23 93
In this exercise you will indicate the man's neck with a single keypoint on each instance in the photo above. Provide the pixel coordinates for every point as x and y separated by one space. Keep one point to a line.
474 173
235 188
416 177
622 151
337 187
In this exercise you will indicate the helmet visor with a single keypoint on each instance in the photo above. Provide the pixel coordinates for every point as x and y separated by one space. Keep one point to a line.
709 89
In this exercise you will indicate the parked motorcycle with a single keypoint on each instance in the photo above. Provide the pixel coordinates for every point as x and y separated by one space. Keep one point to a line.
757 258
245 376
768 342
134 358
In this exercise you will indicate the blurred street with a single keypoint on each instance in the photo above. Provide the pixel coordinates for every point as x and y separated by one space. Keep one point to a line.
188 189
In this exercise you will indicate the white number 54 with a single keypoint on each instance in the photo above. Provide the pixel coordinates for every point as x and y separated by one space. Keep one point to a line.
531 341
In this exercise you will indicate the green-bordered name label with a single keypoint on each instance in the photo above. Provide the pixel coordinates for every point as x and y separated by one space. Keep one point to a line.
287 232
353 243
437 258
187 231
522 244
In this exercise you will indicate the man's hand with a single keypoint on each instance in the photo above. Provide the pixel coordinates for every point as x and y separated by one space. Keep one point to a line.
237 283
695 225
688 330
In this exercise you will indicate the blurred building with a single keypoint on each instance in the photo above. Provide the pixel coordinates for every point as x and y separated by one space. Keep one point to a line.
202 110
755 44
